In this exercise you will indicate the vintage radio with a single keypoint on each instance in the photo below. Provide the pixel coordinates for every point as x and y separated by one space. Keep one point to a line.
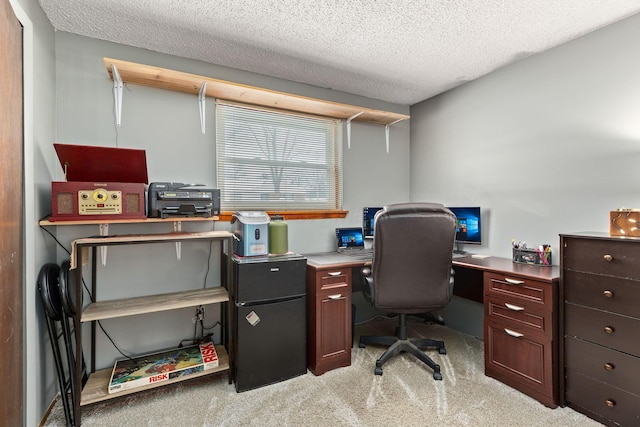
92 200
102 182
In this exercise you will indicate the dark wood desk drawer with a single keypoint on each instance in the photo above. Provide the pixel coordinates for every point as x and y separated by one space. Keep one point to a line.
620 258
520 315
601 327
523 361
519 290
603 364
333 278
603 292
606 402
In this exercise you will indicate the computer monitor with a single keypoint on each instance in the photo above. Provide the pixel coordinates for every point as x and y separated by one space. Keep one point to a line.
468 227
368 216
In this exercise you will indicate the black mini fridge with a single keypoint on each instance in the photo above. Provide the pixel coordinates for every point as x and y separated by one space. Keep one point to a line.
269 318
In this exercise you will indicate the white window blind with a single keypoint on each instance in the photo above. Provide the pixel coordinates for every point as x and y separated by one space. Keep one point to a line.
274 160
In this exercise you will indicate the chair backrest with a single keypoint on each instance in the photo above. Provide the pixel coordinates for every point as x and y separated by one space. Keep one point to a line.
413 250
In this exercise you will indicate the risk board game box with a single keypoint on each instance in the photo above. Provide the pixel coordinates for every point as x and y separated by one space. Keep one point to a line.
162 366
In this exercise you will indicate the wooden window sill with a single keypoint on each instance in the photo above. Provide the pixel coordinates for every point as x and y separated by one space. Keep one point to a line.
291 215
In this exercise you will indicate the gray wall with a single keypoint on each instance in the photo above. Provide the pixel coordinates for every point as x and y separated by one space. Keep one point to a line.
545 146
548 145
166 124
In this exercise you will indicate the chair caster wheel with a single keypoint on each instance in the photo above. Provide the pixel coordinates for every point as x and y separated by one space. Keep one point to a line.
437 376
442 350
378 370
361 345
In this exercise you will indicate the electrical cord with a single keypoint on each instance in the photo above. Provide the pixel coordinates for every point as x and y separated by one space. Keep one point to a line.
88 292
198 319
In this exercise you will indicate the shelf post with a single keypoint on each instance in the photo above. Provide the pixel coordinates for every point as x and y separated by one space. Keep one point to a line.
386 130
349 128
104 231
177 227
117 93
202 103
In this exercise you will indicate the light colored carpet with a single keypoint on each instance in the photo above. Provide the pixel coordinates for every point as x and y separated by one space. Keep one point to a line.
405 394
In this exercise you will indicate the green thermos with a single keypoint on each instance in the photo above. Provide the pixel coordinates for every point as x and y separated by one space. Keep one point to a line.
278 235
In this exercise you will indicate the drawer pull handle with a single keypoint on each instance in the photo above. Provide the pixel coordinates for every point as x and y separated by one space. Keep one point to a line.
610 403
514 281
609 329
609 366
513 333
608 258
513 307
334 273
336 296
608 294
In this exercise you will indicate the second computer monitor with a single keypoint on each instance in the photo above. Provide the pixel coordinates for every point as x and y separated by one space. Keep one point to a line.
368 218
468 226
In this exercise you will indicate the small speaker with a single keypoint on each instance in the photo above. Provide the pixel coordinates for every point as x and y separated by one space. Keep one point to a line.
64 204
132 203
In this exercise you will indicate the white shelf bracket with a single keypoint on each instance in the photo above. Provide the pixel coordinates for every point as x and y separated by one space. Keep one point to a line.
117 93
386 130
202 102
104 231
349 128
177 227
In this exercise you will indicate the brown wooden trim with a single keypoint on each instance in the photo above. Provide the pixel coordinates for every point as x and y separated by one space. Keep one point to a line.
320 214
224 216
12 288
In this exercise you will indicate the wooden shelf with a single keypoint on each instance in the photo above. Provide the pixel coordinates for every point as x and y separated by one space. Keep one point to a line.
150 238
163 78
97 387
128 239
153 303
47 222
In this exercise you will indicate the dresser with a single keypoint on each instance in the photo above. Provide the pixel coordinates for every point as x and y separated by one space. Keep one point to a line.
600 294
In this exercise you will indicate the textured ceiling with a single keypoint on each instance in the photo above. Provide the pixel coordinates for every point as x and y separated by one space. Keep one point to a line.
397 51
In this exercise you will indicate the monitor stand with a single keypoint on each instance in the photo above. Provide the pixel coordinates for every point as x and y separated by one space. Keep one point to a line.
458 249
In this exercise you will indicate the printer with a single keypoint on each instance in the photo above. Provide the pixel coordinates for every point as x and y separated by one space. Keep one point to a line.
176 199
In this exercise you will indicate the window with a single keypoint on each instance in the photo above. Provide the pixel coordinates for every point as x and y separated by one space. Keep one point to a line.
277 161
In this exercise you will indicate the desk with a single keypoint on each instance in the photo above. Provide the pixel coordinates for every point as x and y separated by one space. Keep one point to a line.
468 271
520 317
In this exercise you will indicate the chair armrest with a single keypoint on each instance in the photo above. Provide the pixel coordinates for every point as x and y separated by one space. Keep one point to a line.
367 283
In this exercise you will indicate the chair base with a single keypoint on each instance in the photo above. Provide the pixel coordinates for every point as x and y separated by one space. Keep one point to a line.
400 343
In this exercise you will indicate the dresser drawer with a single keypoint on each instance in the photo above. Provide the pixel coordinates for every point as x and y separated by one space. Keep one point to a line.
620 258
608 329
609 403
521 315
603 364
519 290
605 293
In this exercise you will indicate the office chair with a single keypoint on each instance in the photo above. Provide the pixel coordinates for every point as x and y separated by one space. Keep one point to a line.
411 273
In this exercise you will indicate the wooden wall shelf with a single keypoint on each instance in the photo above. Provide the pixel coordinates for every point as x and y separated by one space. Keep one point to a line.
152 304
163 78
46 222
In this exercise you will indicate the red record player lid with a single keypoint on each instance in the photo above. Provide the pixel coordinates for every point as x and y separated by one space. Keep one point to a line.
102 164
